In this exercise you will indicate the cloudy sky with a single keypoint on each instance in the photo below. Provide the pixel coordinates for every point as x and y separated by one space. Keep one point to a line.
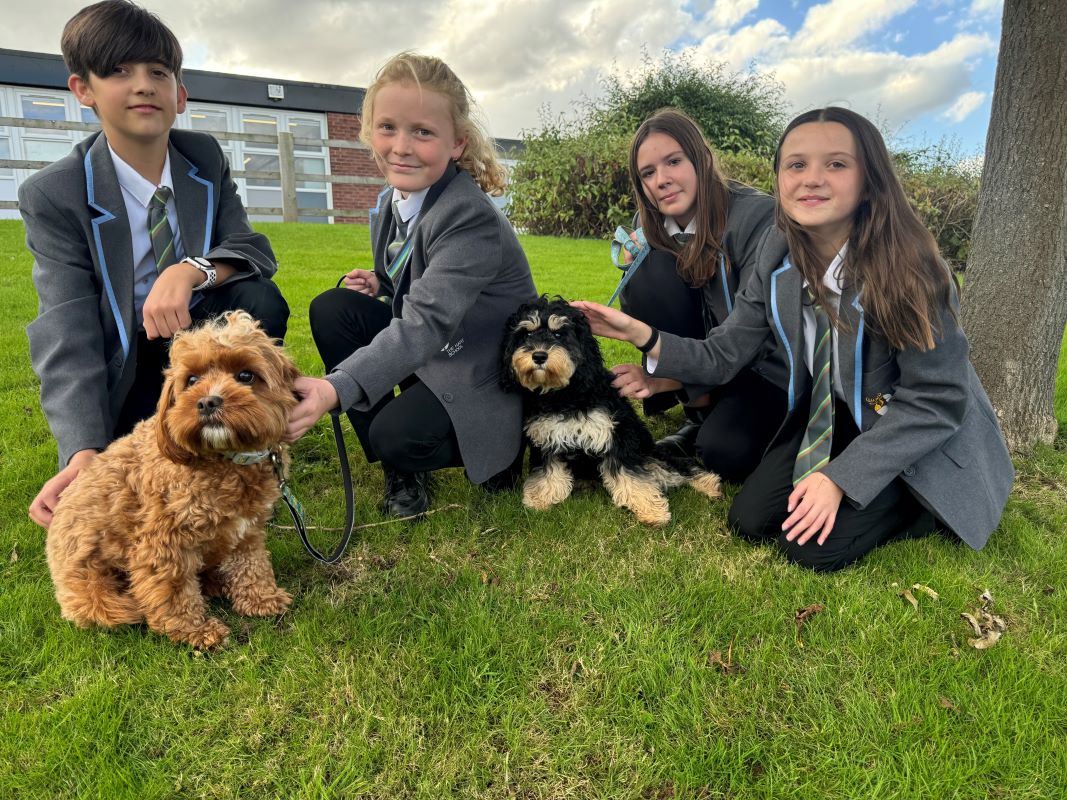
922 68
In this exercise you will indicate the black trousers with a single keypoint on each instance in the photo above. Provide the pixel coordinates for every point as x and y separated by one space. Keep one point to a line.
744 413
260 297
759 509
409 432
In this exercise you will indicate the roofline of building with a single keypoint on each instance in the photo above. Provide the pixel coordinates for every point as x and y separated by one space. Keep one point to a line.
47 71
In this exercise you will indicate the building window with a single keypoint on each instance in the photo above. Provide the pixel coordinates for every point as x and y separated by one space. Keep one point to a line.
201 119
44 149
41 107
88 114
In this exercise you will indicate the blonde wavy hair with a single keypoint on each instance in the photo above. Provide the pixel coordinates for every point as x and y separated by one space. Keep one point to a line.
426 72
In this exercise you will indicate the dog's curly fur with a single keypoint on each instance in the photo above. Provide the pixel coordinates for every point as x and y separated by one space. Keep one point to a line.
575 420
164 516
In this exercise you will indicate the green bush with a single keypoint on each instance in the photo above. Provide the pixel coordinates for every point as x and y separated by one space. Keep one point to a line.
737 111
572 177
945 194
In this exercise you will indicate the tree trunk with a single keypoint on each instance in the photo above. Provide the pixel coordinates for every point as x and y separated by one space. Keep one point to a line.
1015 293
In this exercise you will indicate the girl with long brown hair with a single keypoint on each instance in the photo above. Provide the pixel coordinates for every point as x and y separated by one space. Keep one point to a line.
702 230
888 431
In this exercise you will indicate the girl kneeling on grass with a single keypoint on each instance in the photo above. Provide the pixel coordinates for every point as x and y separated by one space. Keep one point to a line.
885 411
448 271
703 231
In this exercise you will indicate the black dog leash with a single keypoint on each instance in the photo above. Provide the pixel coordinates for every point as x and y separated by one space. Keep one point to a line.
296 510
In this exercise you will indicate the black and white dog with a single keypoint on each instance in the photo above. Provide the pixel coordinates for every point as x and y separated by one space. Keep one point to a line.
577 423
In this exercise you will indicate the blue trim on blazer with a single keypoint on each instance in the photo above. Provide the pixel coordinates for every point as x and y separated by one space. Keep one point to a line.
373 212
192 173
105 216
725 285
858 394
786 264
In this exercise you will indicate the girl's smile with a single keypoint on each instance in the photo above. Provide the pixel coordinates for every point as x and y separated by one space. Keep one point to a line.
668 177
820 180
413 136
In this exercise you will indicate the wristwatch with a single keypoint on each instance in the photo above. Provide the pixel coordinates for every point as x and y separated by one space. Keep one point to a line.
205 266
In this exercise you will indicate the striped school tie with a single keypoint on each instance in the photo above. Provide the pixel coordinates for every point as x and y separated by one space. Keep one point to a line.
159 229
394 247
814 450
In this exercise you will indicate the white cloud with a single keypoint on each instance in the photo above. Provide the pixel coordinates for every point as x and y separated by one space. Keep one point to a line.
986 7
964 106
516 56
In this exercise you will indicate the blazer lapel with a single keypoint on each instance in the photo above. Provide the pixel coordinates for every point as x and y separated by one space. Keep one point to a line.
786 303
850 351
111 235
428 203
195 199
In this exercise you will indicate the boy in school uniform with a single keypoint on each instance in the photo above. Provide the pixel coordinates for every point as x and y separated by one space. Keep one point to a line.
137 234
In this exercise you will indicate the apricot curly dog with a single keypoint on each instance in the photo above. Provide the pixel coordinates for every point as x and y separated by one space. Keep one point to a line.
177 509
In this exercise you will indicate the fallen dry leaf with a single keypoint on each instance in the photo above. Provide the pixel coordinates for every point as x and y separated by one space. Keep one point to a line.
969 618
802 615
946 703
907 595
988 628
14 553
727 666
919 587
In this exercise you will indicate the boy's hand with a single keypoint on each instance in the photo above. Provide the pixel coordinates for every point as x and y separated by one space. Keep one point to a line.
363 281
44 504
166 309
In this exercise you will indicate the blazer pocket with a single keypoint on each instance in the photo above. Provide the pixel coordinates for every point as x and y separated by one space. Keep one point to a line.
882 378
493 379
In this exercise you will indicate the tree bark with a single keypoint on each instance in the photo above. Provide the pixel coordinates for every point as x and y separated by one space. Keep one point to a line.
1015 294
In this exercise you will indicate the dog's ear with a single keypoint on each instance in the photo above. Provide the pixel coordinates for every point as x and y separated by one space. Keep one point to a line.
507 347
164 441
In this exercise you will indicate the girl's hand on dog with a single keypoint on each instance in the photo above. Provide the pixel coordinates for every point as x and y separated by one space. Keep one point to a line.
317 396
363 281
611 324
632 381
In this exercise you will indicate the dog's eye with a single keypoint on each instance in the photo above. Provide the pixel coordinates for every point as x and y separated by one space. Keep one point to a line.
245 376
557 334
191 380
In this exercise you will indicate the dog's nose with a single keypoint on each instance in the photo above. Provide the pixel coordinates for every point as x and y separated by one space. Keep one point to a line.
539 357
208 405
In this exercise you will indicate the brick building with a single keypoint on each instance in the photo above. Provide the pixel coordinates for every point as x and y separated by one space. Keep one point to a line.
34 86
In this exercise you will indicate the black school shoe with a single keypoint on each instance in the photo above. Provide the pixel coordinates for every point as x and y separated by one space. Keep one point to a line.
406 493
683 440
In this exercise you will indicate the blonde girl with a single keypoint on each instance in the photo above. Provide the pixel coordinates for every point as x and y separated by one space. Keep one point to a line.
448 271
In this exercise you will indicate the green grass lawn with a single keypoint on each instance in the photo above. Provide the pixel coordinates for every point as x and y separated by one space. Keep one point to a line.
493 652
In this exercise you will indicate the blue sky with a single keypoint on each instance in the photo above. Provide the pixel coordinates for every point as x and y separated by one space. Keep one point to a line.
923 69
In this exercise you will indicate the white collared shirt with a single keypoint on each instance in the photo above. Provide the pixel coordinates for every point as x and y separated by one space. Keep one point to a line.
410 206
137 194
672 227
832 280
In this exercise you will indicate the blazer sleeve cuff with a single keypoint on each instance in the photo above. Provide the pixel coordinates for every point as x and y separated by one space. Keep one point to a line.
349 393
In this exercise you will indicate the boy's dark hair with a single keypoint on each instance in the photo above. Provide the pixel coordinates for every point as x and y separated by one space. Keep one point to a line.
101 36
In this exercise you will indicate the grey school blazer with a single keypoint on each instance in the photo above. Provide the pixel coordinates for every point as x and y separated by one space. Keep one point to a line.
938 432
83 342
467 274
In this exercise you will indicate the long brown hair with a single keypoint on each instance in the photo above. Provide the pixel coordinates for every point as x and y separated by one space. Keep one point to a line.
698 258
891 257
427 72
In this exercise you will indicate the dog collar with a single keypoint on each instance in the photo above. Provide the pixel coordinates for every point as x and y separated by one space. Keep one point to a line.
249 457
